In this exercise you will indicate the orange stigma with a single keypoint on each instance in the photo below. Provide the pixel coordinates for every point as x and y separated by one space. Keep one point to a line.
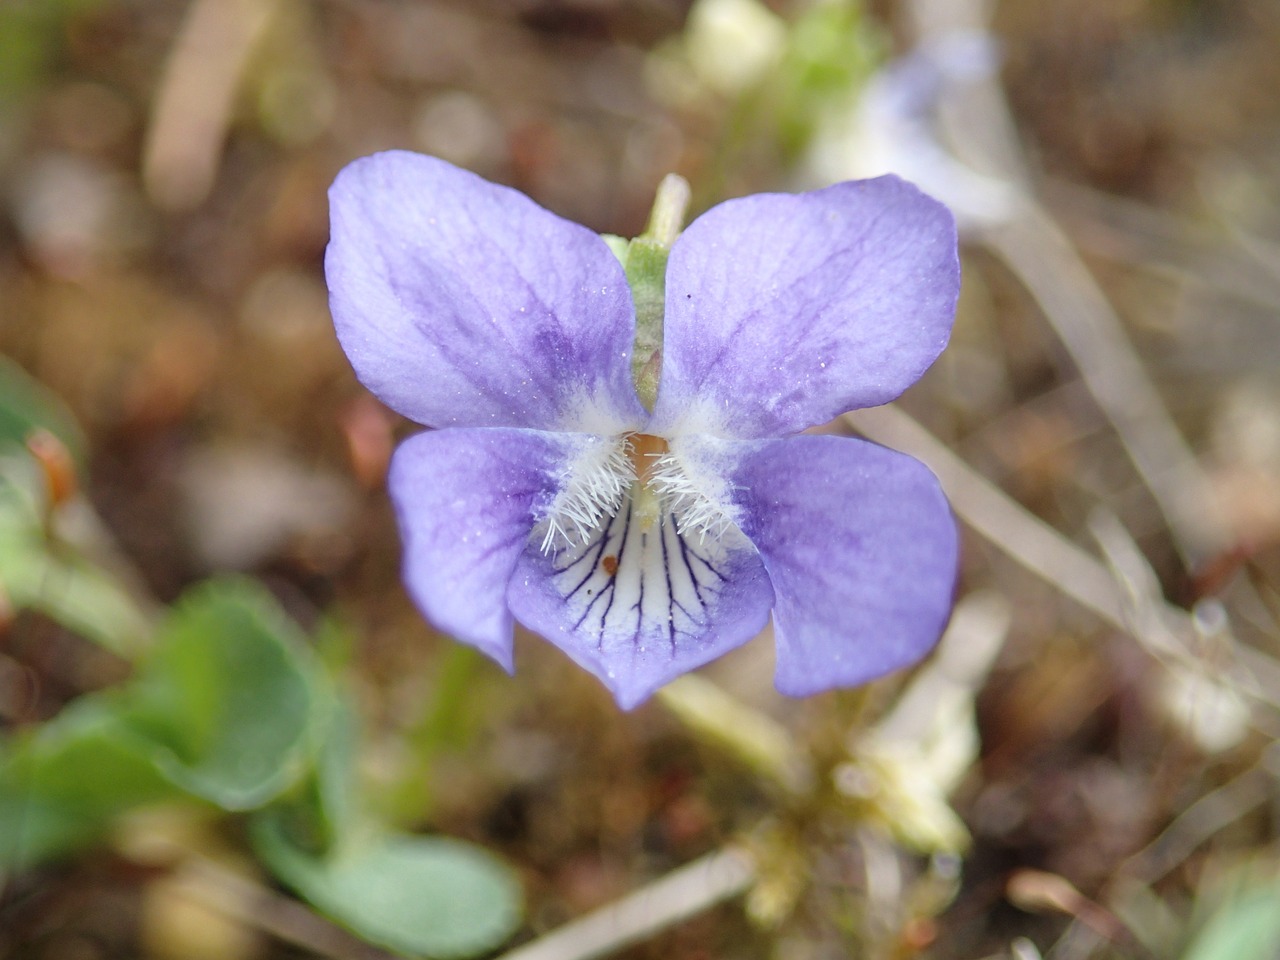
643 450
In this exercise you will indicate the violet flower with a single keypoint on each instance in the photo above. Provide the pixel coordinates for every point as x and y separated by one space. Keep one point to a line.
645 544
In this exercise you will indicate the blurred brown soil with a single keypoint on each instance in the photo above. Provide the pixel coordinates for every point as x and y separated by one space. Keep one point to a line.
185 323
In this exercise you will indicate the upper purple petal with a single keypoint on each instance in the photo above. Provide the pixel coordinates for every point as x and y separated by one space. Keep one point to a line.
466 502
784 311
463 303
860 546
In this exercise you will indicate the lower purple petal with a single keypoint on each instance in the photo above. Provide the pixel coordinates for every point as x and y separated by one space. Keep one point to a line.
860 546
466 501
638 606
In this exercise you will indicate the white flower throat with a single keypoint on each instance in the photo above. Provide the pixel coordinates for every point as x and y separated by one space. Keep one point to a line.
639 542
638 471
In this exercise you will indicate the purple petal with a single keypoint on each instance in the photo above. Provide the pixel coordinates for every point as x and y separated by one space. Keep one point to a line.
639 607
463 303
784 311
466 502
860 546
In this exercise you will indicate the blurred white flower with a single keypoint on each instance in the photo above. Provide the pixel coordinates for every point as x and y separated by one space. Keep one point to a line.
902 772
1209 712
732 43
894 128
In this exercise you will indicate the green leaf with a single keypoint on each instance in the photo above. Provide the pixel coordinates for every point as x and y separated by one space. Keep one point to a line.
226 709
61 785
37 571
1246 927
230 695
30 33
337 781
38 575
27 405
421 896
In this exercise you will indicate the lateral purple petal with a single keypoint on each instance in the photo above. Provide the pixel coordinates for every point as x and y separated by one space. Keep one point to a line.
466 502
860 546
784 311
639 606
463 303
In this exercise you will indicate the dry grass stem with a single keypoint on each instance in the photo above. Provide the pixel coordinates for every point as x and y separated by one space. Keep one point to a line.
679 895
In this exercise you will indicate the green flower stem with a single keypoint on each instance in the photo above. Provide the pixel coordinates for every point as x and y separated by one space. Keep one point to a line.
645 264
753 737
670 205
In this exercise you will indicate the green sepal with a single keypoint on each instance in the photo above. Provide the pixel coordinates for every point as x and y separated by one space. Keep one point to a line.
645 264
646 268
